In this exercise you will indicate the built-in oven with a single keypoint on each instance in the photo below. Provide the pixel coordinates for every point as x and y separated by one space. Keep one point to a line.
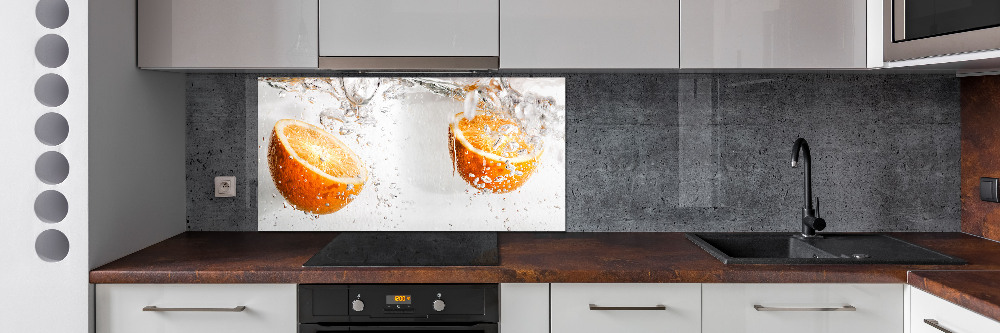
927 28
465 308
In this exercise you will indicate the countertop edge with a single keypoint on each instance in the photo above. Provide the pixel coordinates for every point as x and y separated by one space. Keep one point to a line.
931 282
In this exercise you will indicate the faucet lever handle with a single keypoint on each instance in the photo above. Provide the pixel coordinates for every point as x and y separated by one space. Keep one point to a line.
817 206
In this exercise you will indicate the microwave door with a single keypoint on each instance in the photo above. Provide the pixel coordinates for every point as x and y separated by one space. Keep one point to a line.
916 19
914 29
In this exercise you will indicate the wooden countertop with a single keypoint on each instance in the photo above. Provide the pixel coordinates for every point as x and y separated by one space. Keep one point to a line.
277 257
978 291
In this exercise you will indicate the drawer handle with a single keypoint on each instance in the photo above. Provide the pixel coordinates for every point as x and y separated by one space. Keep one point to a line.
233 309
759 307
628 308
935 324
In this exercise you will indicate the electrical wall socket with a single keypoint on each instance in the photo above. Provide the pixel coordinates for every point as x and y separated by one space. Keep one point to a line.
988 189
225 186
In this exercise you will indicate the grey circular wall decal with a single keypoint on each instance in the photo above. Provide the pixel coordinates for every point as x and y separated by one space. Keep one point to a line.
52 129
52 167
52 245
52 13
51 90
51 206
51 51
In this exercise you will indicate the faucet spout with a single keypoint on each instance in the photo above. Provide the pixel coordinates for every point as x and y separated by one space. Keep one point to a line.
803 146
810 222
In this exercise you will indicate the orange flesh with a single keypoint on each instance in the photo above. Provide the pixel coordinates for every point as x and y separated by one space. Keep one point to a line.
484 132
312 169
507 170
323 152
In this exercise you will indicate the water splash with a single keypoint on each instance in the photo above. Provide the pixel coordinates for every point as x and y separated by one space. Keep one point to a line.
536 116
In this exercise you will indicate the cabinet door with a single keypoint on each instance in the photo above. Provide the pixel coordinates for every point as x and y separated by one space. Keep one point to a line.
773 34
524 308
409 28
589 34
626 307
269 308
951 317
802 308
227 34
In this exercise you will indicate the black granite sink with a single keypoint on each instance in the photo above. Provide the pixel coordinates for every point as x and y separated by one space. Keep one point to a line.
787 249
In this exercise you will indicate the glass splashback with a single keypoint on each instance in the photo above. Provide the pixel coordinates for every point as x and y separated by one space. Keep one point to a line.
411 154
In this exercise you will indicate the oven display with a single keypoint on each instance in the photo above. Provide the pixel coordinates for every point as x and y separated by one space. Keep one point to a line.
397 299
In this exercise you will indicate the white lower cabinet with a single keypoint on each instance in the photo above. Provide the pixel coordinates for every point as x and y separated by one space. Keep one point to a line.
626 307
802 308
196 308
524 308
570 308
930 314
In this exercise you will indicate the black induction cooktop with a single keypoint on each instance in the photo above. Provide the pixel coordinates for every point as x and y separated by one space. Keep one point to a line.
379 248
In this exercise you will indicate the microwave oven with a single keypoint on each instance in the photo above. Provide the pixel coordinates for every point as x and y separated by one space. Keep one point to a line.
915 29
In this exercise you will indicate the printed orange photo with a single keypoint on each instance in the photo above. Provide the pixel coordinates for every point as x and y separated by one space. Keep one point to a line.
411 153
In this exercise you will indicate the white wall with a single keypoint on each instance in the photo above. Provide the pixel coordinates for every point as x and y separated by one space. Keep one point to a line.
37 295
125 149
137 186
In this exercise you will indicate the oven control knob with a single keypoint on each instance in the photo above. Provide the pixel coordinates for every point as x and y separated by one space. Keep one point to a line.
358 305
438 305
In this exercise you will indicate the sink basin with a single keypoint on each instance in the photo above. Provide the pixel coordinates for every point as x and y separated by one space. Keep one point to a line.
786 248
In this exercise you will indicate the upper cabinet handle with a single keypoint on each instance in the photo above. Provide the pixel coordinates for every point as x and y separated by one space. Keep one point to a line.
759 307
630 308
233 309
935 324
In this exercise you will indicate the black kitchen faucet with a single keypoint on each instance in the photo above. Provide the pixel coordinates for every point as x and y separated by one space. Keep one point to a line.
810 222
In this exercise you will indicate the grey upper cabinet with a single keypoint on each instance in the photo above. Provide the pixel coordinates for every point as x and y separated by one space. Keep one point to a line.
409 34
778 34
509 34
407 28
589 34
221 34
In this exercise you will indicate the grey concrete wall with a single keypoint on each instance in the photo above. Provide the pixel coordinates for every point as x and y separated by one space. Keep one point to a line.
683 152
222 125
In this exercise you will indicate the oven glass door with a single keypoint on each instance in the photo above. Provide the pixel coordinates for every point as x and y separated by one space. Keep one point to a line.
449 329
930 18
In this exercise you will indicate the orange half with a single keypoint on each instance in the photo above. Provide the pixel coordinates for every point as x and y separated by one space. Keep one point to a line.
490 154
312 169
